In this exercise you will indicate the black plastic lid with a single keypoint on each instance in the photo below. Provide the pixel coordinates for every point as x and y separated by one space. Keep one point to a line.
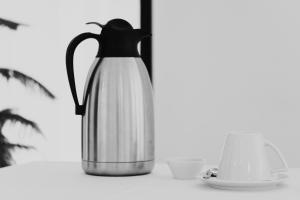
119 39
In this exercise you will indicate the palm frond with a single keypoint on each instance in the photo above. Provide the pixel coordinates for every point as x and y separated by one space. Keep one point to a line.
16 146
26 80
10 24
8 115
6 148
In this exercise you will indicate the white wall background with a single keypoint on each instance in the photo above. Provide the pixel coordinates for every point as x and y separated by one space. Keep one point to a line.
226 65
218 66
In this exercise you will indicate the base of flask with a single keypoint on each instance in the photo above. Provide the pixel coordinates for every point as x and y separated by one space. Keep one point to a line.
118 168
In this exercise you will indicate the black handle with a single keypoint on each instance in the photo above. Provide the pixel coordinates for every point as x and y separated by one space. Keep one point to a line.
79 109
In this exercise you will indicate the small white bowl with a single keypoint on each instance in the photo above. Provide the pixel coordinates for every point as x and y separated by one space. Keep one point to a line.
186 168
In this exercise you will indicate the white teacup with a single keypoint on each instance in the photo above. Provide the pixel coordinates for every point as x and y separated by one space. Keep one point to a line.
244 158
186 168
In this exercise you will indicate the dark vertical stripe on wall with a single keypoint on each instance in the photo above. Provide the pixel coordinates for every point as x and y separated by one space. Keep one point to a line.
146 25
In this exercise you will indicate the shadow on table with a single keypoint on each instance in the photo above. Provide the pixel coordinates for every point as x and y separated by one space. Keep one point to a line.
209 188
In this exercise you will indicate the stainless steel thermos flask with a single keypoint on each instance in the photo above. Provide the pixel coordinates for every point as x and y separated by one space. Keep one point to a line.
117 109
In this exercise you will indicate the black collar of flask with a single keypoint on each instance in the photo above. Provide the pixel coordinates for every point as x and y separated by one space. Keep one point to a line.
119 39
118 44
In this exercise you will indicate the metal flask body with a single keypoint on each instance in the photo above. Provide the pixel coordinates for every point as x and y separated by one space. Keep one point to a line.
118 124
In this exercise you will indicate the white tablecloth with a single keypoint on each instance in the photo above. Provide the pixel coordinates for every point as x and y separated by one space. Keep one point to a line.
66 180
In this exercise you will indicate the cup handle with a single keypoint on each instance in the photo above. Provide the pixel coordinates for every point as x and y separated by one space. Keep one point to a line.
284 167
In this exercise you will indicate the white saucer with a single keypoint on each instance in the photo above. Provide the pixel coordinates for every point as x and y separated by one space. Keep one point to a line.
244 185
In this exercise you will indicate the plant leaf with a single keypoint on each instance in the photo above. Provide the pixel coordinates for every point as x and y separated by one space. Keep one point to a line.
5 150
26 80
10 24
16 146
8 115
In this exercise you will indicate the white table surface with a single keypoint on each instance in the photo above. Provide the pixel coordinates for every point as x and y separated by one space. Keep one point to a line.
66 180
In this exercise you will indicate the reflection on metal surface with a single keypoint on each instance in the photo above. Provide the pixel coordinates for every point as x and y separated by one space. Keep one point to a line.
118 126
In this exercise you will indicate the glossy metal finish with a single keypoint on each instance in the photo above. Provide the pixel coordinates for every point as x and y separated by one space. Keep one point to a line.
118 169
118 125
